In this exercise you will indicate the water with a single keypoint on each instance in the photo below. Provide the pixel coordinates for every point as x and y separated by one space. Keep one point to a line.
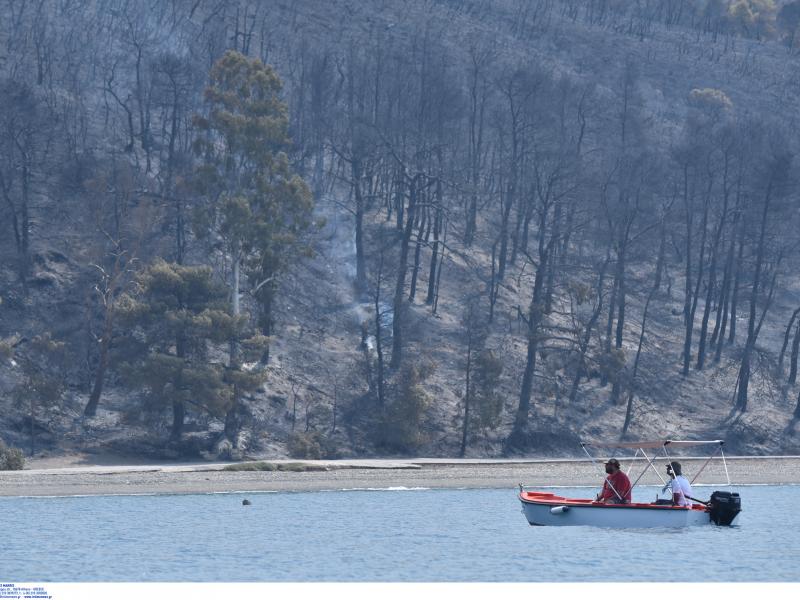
412 535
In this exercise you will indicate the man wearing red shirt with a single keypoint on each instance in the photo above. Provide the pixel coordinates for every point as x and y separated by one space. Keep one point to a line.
616 487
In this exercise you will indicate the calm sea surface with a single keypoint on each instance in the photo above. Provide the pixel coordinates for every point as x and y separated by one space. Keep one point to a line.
394 535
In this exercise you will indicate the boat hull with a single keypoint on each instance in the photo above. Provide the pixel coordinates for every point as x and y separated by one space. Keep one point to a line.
548 509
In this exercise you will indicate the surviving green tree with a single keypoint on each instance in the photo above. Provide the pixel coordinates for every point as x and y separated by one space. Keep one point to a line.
254 205
177 314
401 420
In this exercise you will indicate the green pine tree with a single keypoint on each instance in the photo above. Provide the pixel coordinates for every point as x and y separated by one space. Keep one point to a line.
177 315
252 207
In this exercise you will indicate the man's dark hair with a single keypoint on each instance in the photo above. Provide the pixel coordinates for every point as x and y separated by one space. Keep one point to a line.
675 466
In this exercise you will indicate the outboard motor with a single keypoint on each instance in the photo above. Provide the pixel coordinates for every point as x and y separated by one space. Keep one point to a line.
723 507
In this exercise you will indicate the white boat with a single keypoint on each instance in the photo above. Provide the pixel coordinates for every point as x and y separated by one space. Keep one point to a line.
723 508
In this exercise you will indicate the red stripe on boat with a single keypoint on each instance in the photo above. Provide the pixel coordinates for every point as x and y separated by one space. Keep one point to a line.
553 500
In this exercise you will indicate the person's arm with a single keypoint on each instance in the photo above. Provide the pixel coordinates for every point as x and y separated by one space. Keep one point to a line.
627 491
675 486
604 493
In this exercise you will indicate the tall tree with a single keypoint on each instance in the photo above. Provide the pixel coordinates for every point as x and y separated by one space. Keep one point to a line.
253 203
482 370
174 91
480 60
772 186
26 136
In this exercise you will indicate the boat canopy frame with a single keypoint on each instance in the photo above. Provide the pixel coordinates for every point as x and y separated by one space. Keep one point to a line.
641 446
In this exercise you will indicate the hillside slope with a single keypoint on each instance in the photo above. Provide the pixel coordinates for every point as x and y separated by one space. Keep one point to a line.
317 399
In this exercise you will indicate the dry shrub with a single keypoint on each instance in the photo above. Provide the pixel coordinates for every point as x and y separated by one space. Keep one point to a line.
11 459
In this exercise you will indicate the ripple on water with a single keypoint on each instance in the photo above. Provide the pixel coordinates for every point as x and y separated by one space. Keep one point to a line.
395 535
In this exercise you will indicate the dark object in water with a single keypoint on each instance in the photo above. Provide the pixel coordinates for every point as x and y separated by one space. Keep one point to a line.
246 502
724 506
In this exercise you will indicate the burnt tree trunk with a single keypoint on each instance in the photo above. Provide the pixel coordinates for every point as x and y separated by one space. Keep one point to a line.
534 321
437 227
399 200
612 305
178 419
493 283
361 271
551 271
615 388
725 293
629 407
102 365
467 395
402 270
752 330
378 336
687 344
535 314
507 202
793 360
735 289
587 334
786 336
662 247
796 414
712 284
423 232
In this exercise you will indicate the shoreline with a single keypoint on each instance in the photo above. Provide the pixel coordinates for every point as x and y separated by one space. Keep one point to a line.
372 474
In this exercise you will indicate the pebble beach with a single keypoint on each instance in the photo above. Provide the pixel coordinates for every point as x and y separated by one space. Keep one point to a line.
51 479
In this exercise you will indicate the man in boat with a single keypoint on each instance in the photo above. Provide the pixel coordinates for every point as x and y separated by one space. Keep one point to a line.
616 487
679 485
